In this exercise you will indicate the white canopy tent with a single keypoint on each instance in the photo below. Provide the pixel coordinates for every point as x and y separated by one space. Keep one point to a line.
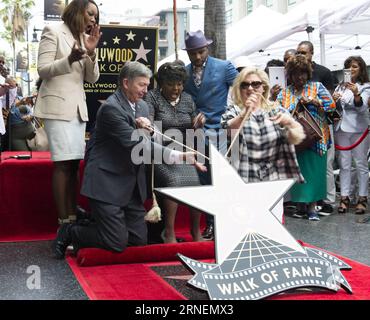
339 26
245 26
337 49
240 37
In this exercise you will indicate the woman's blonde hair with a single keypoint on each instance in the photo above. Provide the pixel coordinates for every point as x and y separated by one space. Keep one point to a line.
235 93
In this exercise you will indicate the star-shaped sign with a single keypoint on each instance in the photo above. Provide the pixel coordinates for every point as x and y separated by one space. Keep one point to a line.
239 208
130 36
141 53
105 43
116 40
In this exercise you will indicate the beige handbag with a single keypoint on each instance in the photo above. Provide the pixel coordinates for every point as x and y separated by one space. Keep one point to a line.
310 126
40 141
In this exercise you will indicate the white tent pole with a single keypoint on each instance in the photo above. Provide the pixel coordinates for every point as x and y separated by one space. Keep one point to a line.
322 49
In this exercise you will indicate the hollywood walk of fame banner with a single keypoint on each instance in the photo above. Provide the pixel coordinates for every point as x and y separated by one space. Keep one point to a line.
117 45
238 279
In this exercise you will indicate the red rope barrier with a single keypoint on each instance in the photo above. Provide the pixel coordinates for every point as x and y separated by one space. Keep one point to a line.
341 148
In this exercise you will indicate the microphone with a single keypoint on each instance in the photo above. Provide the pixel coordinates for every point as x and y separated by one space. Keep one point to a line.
21 157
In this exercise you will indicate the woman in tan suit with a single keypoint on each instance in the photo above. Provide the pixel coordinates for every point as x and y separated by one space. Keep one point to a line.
66 59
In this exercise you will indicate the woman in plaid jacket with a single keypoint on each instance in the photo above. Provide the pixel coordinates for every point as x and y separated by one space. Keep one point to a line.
268 135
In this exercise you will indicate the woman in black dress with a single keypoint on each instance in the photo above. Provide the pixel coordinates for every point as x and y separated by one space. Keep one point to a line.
172 109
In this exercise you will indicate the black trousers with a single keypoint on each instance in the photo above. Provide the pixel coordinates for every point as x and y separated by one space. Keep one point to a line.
114 228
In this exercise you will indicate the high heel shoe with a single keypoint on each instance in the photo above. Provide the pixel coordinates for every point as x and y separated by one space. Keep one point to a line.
361 205
343 205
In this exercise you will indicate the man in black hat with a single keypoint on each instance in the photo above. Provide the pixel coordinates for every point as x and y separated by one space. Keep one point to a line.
208 83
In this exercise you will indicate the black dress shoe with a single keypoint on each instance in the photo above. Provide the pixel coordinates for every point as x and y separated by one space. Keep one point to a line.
83 218
62 241
208 233
326 209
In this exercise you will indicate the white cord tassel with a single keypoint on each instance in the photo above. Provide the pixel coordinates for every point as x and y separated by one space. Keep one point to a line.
154 214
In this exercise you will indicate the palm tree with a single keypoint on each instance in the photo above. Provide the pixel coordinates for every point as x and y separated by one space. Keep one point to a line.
15 16
215 26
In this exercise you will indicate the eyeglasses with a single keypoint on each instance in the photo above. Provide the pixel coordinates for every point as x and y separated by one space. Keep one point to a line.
2 62
254 84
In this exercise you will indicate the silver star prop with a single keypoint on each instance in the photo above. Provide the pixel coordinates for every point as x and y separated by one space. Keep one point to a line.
239 208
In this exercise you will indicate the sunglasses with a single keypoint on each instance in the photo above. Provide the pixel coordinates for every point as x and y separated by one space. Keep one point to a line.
1 61
254 84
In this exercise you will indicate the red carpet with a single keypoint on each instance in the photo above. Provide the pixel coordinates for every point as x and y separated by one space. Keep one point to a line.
145 254
358 278
139 282
25 237
128 282
27 209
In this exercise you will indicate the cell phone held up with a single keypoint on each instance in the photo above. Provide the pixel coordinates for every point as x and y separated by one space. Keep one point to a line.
277 76
347 75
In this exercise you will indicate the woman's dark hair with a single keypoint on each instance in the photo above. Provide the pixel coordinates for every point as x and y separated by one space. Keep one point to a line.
298 64
308 44
273 63
363 75
171 72
74 16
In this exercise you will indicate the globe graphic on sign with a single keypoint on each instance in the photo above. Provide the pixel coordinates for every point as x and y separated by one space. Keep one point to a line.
254 250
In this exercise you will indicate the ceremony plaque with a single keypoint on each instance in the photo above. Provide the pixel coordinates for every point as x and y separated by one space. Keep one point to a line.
117 45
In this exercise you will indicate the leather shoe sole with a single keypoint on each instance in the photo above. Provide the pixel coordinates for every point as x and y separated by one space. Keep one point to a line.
62 241
208 232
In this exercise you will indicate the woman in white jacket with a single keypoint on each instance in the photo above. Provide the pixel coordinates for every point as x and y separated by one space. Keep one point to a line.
353 99
66 59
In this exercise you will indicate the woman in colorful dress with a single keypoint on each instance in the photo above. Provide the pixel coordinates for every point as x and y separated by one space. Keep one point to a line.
312 161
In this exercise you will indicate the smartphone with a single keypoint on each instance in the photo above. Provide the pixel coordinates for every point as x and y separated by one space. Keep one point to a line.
277 76
346 75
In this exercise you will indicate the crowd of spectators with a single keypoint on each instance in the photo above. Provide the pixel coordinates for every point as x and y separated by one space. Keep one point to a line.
221 100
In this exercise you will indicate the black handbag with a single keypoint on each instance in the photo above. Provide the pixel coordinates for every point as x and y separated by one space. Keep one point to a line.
310 126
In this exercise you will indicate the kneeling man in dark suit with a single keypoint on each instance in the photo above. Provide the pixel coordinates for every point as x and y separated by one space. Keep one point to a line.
114 177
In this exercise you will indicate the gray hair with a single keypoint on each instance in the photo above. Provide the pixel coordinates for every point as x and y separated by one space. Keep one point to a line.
132 70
